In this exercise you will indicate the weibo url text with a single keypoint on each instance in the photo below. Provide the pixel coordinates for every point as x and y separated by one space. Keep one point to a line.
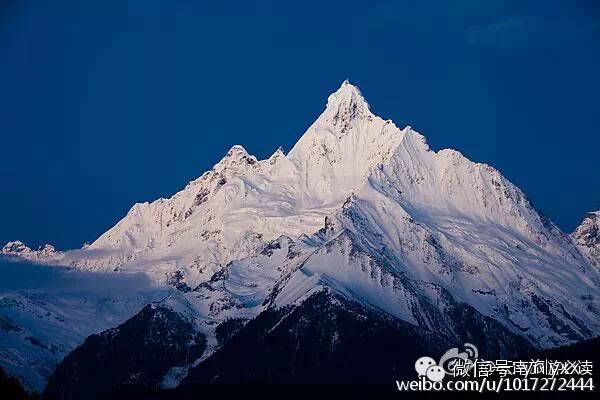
512 384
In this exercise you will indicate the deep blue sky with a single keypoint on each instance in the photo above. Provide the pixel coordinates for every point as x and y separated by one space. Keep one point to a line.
107 104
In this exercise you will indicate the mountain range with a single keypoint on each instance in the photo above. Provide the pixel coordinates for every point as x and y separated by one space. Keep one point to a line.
347 258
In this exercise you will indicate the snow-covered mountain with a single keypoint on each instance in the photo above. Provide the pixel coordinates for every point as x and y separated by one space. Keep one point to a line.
587 237
368 213
46 253
235 208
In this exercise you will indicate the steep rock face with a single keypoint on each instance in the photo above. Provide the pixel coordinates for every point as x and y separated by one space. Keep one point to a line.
138 352
587 237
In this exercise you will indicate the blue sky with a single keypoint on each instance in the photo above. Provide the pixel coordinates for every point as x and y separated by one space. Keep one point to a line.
107 104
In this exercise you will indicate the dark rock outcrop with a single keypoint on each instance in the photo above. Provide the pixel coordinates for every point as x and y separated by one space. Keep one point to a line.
139 352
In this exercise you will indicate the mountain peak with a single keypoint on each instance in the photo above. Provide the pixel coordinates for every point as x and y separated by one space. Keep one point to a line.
347 95
587 237
236 158
237 150
277 155
19 249
15 246
588 232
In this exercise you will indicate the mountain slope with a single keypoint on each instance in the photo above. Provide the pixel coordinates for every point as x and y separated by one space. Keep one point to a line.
138 352
328 338
462 226
47 311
